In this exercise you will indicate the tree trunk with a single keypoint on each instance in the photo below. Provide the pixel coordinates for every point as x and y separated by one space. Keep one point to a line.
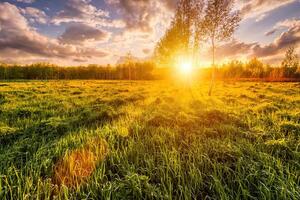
129 72
213 73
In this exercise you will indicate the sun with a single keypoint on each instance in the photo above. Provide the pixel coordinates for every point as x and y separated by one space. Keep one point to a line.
186 67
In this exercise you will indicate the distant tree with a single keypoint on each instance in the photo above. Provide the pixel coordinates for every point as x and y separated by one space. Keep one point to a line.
267 71
180 38
290 63
129 62
233 69
219 24
256 68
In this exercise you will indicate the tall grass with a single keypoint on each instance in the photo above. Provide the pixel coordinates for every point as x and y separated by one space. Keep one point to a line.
149 140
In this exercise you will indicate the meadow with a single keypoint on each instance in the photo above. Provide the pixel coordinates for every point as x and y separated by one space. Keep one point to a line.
149 140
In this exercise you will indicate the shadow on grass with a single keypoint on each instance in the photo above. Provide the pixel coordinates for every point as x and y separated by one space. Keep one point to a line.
19 147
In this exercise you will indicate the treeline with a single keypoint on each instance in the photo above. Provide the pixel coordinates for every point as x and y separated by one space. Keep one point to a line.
147 70
44 71
255 69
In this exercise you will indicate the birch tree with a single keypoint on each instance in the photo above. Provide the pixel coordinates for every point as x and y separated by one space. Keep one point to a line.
218 25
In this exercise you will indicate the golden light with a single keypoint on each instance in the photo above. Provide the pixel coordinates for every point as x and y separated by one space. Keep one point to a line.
186 67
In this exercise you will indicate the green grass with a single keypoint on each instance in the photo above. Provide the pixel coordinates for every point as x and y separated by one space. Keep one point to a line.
165 141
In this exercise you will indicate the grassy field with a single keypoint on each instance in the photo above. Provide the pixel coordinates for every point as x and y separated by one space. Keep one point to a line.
149 140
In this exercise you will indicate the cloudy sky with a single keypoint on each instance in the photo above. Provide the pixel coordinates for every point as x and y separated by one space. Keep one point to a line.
74 32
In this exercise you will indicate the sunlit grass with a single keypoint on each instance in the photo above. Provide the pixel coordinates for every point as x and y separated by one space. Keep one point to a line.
151 140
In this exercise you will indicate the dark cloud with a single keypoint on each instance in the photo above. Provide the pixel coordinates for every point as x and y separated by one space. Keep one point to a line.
289 38
81 33
19 40
137 14
146 51
235 49
271 32
142 15
80 60
170 4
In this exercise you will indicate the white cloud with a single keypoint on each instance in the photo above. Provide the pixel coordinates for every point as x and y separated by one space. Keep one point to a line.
82 11
34 15
259 9
288 23
82 33
26 1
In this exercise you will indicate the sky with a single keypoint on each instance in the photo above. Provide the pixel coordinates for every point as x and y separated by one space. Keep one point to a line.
80 32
